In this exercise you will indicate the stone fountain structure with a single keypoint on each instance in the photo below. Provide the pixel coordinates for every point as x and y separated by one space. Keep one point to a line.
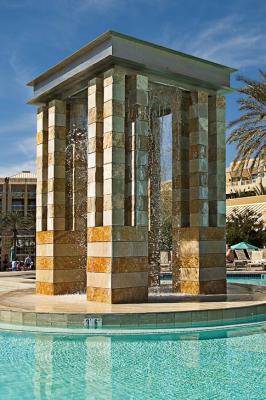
95 211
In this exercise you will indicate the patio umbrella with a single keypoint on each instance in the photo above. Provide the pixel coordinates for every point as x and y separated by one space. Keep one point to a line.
244 246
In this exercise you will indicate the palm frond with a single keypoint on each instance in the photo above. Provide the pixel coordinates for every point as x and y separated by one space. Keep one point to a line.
249 133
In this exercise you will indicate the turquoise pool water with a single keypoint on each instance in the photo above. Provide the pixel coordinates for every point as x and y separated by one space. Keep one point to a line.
170 367
248 280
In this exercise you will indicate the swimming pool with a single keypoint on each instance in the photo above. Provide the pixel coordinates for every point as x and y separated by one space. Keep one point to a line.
261 281
173 366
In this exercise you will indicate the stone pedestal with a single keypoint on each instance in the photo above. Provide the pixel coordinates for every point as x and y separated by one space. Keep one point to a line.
198 194
59 256
117 266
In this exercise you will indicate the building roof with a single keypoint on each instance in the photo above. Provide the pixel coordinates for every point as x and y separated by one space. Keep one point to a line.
115 48
24 175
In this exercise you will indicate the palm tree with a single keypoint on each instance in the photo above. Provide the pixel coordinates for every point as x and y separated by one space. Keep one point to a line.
249 133
14 222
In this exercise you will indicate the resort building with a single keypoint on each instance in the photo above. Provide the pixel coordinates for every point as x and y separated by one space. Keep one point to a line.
18 194
246 187
96 205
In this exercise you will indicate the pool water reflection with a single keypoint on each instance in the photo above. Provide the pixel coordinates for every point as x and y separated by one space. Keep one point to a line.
183 366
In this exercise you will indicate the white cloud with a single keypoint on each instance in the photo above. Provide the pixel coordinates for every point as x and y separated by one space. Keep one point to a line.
230 41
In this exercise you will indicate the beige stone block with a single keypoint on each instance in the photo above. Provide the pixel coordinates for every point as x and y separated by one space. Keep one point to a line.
56 171
113 217
114 123
104 249
56 224
114 155
99 280
113 201
56 211
43 250
114 92
56 119
114 185
113 139
114 107
56 146
45 276
56 198
94 189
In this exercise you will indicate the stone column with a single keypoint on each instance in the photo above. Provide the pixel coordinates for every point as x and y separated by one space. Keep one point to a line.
95 153
42 169
117 254
180 178
199 243
217 208
137 145
58 268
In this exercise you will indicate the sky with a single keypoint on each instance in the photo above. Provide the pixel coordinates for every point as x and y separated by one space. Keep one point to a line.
35 35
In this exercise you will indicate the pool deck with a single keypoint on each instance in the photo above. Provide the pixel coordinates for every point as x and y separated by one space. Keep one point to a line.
20 304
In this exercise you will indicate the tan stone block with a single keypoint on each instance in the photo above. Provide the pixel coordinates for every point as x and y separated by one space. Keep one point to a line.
94 204
116 139
129 279
59 288
129 264
189 287
95 144
56 184
56 224
57 132
99 234
114 107
42 137
56 210
99 264
43 262
95 115
69 276
130 295
59 159
101 295
44 237
191 262
69 249
44 288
